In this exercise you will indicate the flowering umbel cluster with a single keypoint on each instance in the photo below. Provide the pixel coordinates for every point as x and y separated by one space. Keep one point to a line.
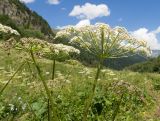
31 44
8 30
103 41
44 48
57 51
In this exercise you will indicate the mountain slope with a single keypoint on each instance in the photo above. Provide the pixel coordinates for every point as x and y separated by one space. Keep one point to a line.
155 53
121 63
152 65
23 17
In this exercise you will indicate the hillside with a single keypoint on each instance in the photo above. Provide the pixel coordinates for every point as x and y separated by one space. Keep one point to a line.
14 13
152 65
121 63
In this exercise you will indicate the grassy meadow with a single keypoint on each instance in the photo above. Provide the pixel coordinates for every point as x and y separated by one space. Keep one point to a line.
119 96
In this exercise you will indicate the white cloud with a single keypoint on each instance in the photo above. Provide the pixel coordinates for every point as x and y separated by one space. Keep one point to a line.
55 2
27 1
90 11
157 30
83 23
149 36
79 24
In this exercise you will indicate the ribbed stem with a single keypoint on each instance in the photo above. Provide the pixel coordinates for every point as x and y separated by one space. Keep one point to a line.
91 96
45 86
53 68
49 114
20 67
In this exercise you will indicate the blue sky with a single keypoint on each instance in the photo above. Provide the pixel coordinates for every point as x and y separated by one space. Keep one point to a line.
141 17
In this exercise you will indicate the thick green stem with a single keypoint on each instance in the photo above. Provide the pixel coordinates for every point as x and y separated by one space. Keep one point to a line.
53 68
91 96
49 114
20 67
45 86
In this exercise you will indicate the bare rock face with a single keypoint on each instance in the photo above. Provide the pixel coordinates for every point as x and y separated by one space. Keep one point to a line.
23 16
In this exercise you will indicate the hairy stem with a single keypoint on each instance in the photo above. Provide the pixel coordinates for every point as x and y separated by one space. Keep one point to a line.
49 114
91 96
45 86
53 68
20 67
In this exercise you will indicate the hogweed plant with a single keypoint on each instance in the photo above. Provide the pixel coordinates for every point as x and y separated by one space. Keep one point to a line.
34 47
58 51
103 42
41 48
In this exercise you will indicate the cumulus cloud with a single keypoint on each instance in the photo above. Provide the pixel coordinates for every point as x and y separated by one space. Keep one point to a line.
83 23
79 24
157 30
149 36
55 2
90 11
27 1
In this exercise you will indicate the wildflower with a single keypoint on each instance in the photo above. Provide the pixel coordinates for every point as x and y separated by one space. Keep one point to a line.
57 51
30 44
68 81
103 41
11 107
6 29
47 73
103 71
115 78
24 106
85 71
19 98
111 74
3 82
81 72
90 77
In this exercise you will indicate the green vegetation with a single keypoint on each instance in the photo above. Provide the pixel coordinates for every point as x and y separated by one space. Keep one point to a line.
152 66
5 20
34 86
136 97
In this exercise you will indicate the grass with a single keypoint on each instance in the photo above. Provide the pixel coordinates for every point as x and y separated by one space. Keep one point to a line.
120 95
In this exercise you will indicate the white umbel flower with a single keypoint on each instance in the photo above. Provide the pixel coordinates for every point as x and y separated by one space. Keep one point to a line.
103 41
8 30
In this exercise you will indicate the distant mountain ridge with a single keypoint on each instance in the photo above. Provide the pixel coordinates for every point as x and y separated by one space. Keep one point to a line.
155 53
121 63
22 16
152 66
